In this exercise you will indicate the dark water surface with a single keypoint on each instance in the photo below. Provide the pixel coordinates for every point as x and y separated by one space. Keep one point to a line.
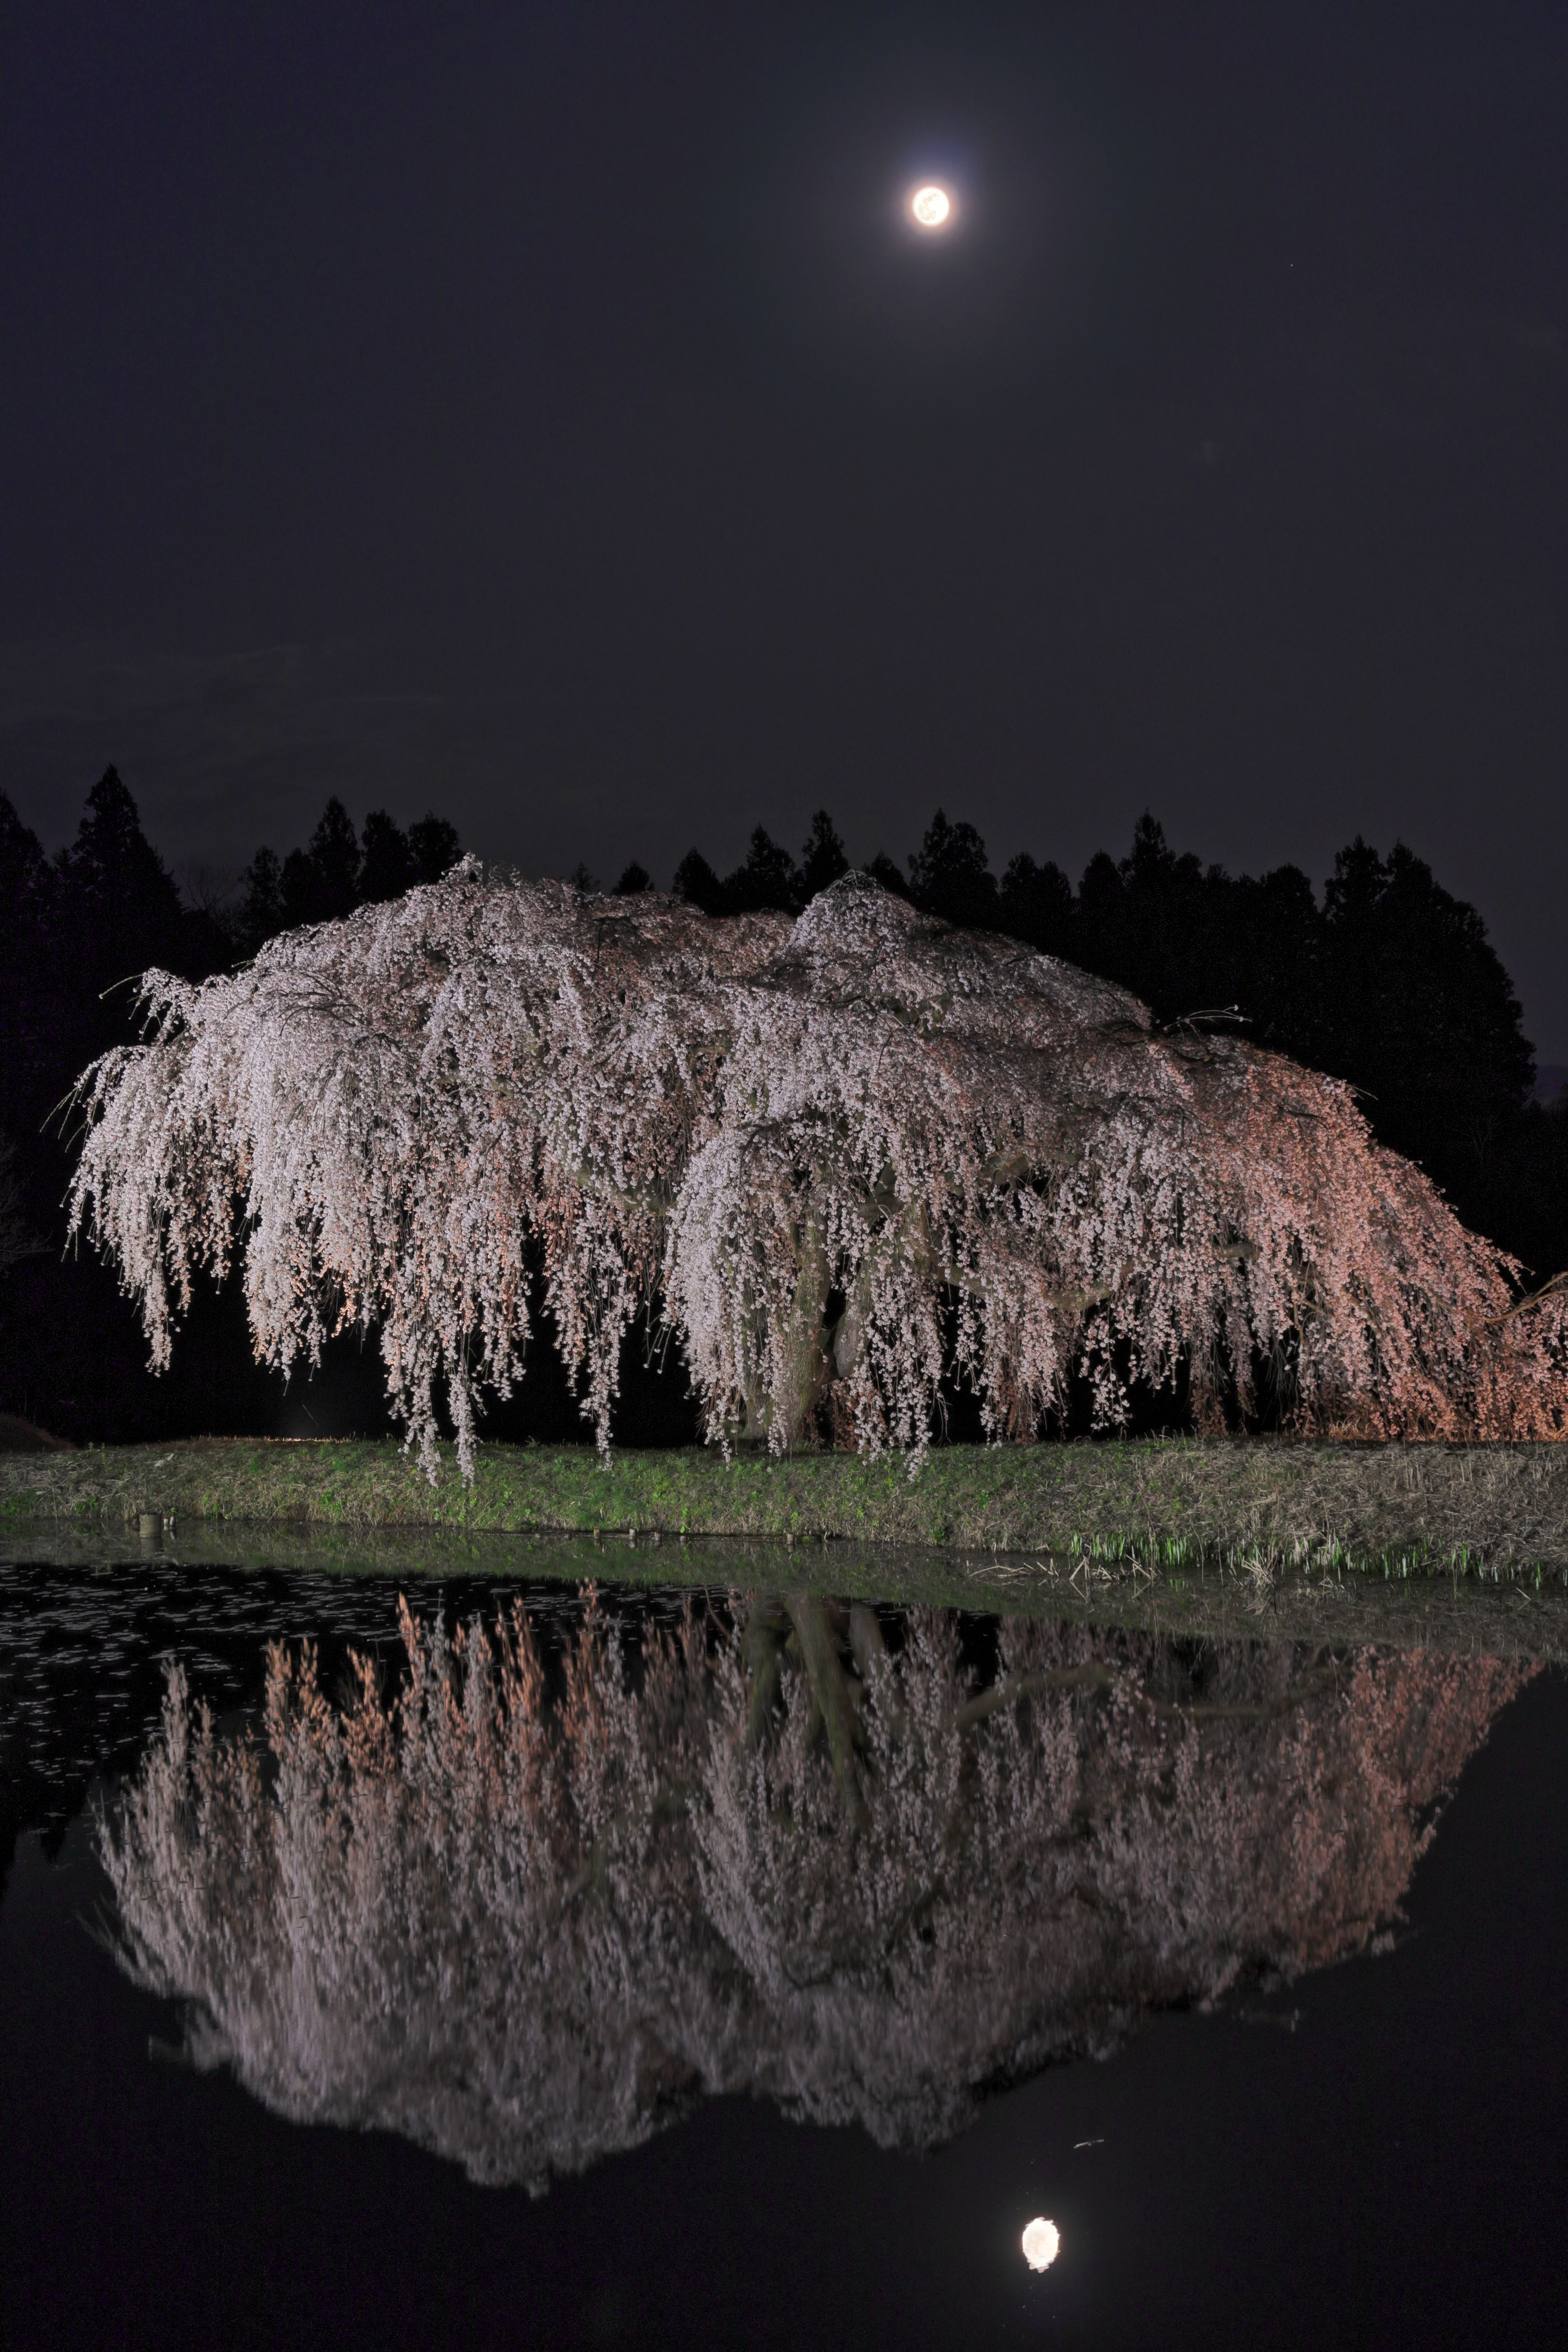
1330 2096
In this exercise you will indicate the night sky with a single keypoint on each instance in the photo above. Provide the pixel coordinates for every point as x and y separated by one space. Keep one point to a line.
547 413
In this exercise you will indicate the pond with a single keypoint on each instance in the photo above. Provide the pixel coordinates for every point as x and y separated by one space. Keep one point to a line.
431 1953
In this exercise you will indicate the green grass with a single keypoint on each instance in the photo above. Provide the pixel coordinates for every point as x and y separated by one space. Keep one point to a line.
1166 1504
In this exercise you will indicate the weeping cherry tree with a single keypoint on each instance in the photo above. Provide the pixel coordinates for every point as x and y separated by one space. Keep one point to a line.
840 1160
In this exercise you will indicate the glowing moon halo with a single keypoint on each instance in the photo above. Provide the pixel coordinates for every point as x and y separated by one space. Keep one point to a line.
932 208
1042 2244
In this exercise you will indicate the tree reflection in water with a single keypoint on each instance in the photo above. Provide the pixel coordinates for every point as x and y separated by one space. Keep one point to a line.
525 1916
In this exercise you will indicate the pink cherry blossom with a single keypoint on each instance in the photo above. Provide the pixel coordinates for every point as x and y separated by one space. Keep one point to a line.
836 1158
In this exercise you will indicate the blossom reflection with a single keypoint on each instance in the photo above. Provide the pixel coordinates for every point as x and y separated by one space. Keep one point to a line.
792 1850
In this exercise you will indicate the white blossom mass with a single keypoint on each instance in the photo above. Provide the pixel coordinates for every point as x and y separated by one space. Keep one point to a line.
837 1159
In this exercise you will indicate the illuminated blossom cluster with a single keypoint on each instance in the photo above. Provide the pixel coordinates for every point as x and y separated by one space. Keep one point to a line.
837 1159
792 1861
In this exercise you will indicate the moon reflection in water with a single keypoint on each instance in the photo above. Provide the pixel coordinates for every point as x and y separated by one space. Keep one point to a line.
1042 2244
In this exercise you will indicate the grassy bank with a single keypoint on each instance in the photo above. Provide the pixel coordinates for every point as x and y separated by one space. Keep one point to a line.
1523 1614
1166 1501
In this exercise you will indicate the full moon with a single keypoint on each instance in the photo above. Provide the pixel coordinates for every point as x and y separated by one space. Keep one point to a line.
930 207
1042 2244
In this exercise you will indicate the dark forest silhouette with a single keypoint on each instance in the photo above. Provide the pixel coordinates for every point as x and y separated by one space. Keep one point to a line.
1386 980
